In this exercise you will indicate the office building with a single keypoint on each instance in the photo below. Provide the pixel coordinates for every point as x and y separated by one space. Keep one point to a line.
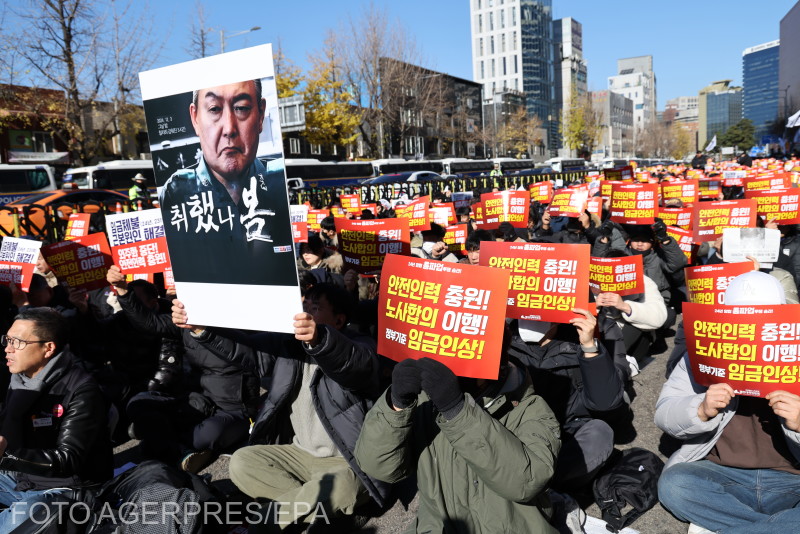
615 112
719 107
636 80
788 64
570 67
760 86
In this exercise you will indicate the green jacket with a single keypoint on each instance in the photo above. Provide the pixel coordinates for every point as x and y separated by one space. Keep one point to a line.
484 471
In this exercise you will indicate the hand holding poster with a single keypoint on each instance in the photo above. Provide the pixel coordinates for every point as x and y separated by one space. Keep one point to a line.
752 348
634 203
568 202
779 205
623 276
451 312
505 206
137 241
709 219
706 284
365 244
547 280
18 258
81 262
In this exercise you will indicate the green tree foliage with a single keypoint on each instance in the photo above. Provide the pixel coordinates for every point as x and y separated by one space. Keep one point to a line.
288 76
742 135
580 126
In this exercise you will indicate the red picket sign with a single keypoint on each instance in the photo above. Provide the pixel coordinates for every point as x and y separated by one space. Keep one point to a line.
619 173
687 191
709 187
568 202
300 232
417 214
351 203
451 312
542 192
685 241
547 280
19 273
752 348
77 225
456 238
780 205
443 214
314 217
706 284
634 203
709 219
505 206
364 244
606 186
81 262
763 183
142 257
623 276
681 217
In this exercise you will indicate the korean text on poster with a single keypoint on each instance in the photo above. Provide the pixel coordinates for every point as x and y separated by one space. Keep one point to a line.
299 216
547 280
443 214
542 192
752 348
634 203
706 284
763 183
314 218
685 241
417 214
82 262
709 187
619 173
351 203
780 205
78 225
709 219
18 258
451 312
505 206
681 217
456 238
687 191
623 276
137 240
568 202
365 244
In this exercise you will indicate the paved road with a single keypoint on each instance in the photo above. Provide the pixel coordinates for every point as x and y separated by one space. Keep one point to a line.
656 521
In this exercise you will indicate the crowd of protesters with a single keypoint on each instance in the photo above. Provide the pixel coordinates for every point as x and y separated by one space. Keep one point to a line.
319 417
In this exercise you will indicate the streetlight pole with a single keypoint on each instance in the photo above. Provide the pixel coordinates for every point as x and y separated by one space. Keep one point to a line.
222 36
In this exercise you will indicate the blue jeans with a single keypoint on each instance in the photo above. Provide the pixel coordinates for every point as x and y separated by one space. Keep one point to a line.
729 500
18 502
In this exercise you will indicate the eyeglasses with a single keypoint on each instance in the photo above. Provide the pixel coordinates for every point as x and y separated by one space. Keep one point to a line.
15 342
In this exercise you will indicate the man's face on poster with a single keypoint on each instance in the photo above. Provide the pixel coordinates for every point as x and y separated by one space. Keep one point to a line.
228 120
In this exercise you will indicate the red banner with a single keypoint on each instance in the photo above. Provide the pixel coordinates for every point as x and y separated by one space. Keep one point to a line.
685 241
365 244
443 214
595 206
709 188
505 206
314 217
300 232
766 184
77 225
619 173
351 203
779 205
417 214
547 280
142 257
706 284
19 273
451 312
709 219
81 262
568 202
542 192
634 203
623 276
456 238
752 348
606 186
687 191
681 217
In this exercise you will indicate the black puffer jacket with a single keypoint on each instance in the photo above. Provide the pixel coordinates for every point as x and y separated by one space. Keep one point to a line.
228 386
58 437
343 389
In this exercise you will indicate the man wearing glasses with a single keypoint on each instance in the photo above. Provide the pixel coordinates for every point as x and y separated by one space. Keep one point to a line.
53 432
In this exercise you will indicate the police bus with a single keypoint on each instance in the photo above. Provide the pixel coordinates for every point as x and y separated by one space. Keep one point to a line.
117 175
19 181
566 164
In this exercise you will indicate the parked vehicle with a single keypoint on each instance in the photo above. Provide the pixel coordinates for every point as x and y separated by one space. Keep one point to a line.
19 181
116 175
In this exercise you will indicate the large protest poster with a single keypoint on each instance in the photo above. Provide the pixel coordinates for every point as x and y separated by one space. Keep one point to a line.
780 205
763 183
215 137
443 214
78 225
681 217
623 276
634 203
709 219
752 348
81 262
137 241
417 213
706 284
451 312
18 258
365 244
505 206
542 192
568 202
456 238
547 280
687 191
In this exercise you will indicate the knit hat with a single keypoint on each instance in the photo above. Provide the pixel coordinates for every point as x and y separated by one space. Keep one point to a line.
754 288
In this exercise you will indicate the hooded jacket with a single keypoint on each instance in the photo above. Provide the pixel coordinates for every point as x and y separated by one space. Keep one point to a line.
483 471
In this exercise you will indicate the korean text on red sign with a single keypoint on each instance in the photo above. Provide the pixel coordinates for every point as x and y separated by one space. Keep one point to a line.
365 244
451 312
623 276
82 262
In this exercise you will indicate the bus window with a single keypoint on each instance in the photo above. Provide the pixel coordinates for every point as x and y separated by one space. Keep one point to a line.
119 178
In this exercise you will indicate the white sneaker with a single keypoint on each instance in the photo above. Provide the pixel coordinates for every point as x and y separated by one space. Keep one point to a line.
634 365
697 529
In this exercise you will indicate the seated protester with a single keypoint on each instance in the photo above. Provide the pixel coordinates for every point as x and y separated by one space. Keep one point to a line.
638 316
737 470
327 232
581 382
577 230
324 380
187 428
53 434
482 451
662 258
314 255
473 246
433 246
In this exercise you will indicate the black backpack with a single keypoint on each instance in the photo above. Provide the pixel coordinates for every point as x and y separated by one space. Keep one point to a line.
628 487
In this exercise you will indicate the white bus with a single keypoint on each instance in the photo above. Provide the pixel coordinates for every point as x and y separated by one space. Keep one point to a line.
19 181
566 164
117 175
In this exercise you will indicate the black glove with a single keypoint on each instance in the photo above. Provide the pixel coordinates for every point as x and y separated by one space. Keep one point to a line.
406 383
606 229
660 230
441 385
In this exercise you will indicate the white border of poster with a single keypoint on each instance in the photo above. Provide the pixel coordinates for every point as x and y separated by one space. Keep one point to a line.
245 306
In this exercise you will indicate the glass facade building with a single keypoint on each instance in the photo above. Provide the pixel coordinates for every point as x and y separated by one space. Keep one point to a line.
723 110
760 85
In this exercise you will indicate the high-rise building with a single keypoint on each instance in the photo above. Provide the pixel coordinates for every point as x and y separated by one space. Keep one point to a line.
570 67
719 107
788 65
760 85
615 112
512 48
636 80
